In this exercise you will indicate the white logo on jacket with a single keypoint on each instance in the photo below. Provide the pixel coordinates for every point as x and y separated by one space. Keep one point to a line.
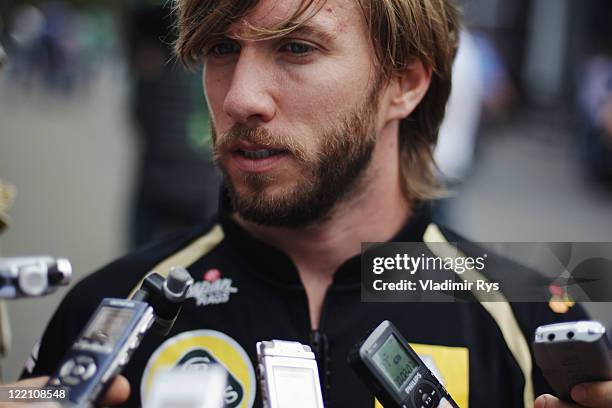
212 290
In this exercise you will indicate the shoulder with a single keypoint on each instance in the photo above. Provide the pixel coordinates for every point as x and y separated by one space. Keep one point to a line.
116 279
526 289
517 279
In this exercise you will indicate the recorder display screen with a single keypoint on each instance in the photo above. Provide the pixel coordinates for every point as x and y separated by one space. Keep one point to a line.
107 326
395 362
296 387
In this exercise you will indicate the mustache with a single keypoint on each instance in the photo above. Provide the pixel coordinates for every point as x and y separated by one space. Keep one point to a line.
227 142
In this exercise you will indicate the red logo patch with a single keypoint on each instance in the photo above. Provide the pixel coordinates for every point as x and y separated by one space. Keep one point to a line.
556 290
212 275
560 302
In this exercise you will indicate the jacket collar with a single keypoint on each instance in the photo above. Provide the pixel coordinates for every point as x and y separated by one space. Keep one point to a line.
275 267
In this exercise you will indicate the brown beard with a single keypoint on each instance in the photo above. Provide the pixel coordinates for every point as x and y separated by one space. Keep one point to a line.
328 177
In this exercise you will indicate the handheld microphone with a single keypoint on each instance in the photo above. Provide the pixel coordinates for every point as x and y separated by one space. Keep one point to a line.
166 296
114 332
32 276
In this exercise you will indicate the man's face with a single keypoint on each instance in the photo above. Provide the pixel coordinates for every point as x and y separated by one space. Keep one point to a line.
294 117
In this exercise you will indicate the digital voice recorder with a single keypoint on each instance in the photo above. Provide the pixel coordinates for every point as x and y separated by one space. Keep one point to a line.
394 372
288 375
572 353
103 348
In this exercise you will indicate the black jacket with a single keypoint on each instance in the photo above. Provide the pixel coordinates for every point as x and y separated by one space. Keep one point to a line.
247 291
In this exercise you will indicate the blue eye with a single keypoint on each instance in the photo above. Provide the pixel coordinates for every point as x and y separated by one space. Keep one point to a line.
298 48
224 48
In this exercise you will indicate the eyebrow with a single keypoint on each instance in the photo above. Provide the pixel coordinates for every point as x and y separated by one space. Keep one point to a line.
307 29
314 31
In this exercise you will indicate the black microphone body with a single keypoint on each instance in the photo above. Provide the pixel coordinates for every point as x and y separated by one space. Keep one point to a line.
166 296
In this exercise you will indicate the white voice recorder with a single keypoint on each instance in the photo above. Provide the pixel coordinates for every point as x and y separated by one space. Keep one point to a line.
288 375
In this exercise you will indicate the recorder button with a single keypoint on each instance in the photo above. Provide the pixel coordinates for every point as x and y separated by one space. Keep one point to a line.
89 372
425 396
435 397
78 371
124 360
67 368
134 344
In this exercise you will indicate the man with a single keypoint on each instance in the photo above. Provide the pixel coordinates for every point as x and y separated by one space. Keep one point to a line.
325 115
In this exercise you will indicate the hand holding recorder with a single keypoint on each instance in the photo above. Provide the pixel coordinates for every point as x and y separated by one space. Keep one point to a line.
589 395
576 359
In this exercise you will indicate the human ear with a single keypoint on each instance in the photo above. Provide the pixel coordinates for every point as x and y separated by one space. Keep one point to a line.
407 89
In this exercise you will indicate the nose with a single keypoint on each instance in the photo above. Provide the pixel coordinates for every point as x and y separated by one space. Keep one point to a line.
249 100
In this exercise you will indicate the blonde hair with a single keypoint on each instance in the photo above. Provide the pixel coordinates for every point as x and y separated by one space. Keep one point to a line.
399 30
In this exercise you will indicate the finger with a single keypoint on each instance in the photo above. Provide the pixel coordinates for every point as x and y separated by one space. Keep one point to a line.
548 401
593 395
35 382
117 393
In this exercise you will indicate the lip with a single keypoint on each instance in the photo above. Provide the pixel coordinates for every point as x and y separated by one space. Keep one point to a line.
248 165
248 146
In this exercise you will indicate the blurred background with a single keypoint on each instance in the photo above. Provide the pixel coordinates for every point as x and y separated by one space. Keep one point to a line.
105 138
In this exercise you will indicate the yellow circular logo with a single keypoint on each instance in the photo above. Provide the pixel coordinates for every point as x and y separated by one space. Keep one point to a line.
195 350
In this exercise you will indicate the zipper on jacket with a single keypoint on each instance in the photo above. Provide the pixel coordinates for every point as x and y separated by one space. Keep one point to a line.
320 347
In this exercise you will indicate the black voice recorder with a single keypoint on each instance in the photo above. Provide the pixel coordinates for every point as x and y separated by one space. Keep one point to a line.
394 372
